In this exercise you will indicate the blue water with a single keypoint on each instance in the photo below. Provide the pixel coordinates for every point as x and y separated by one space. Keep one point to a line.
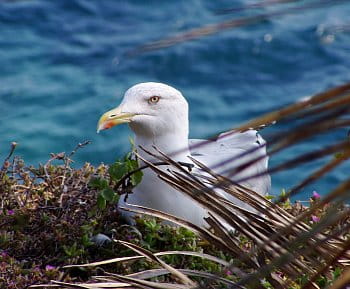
62 64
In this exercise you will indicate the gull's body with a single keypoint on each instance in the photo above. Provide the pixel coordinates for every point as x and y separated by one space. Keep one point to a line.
158 115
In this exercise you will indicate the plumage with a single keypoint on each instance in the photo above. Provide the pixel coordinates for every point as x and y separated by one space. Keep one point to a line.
158 115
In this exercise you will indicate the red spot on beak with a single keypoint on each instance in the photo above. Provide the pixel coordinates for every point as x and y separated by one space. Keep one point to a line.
108 125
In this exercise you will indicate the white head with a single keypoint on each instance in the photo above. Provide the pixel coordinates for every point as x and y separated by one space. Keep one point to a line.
151 109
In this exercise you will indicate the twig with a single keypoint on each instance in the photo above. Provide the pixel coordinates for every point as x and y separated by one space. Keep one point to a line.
189 166
79 146
67 161
6 163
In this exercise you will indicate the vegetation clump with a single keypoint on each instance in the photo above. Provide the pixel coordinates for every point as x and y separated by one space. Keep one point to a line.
53 215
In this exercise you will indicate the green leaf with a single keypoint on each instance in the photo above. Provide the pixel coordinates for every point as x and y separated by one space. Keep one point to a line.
71 251
101 202
117 170
132 165
128 156
85 240
137 176
337 272
120 168
98 183
108 194
303 280
322 281
132 142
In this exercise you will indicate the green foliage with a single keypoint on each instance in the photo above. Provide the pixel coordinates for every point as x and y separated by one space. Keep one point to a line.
286 204
117 171
270 197
123 167
159 237
73 250
98 183
336 273
267 284
49 214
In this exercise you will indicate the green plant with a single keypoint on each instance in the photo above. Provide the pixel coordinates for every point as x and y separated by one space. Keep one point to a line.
117 171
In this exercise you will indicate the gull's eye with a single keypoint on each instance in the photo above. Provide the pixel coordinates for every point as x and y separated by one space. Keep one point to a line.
153 99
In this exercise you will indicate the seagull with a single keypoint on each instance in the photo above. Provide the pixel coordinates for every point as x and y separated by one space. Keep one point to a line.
158 115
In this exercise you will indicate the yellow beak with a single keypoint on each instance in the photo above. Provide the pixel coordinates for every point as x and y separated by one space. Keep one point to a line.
112 118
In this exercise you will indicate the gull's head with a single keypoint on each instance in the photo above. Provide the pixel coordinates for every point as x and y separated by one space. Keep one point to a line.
150 109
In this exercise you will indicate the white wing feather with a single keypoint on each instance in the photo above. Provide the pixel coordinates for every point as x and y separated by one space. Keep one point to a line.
225 154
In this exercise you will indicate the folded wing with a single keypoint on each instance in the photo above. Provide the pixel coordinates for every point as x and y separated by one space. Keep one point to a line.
231 150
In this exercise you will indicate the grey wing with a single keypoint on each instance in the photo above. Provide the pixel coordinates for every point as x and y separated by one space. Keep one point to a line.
231 150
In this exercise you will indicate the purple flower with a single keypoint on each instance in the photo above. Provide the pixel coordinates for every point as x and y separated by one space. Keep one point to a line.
315 195
4 254
49 267
228 272
315 219
130 237
36 269
10 212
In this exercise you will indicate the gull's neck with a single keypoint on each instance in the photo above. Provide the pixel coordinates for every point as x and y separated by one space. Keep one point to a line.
175 146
